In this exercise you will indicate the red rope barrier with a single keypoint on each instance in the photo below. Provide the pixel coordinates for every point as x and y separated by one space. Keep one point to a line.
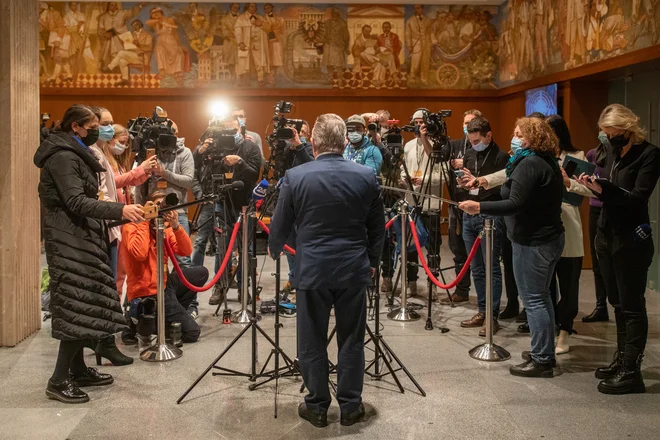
287 248
460 275
389 224
217 276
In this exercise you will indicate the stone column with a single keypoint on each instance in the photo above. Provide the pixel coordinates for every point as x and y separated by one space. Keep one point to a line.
19 202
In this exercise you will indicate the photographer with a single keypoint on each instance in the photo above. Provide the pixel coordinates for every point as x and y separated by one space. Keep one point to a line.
240 114
173 174
244 161
138 250
360 149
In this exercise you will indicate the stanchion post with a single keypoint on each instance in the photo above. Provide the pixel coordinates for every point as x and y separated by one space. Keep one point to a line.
243 316
489 351
162 351
403 313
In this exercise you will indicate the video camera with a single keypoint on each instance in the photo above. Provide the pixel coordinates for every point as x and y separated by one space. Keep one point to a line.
282 132
153 133
215 172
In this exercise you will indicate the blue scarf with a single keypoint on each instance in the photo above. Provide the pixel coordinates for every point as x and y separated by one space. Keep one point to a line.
516 158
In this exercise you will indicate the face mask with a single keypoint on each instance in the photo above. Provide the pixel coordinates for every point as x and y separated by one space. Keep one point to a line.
619 141
238 138
479 147
106 132
241 122
355 137
118 149
516 144
465 130
91 138
303 139
602 137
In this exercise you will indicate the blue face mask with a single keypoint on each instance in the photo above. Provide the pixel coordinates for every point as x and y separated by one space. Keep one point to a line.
355 137
303 139
465 130
106 132
238 138
516 144
479 147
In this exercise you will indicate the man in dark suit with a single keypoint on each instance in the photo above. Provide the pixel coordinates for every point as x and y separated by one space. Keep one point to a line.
337 211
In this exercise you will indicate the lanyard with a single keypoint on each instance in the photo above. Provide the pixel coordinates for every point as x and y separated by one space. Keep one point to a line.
482 163
81 143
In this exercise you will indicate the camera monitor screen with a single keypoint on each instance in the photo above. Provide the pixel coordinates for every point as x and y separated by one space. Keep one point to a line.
542 99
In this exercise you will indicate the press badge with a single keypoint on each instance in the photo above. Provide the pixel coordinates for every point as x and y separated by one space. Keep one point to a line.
418 174
474 192
161 184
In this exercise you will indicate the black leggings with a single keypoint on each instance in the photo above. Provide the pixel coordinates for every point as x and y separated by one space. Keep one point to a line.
69 361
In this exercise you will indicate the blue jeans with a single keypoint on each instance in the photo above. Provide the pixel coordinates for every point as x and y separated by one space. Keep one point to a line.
472 227
534 267
185 224
292 265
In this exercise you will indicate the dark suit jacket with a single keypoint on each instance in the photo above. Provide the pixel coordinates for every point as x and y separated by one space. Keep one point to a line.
337 210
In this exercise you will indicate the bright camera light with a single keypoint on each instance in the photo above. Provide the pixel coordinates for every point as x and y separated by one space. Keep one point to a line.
219 109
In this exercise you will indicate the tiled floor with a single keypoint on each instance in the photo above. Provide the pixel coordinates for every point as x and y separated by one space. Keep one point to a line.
465 399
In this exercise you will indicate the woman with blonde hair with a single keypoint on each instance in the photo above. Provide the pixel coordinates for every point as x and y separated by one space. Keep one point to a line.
624 245
531 204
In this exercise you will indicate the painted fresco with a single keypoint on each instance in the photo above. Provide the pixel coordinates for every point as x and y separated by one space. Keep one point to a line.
228 45
538 37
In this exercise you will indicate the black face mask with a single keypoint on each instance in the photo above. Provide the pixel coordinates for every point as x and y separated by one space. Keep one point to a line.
92 136
619 141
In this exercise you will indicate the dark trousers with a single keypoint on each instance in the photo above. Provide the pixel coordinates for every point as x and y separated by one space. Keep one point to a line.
509 277
457 247
178 297
601 293
567 278
625 272
313 307
387 257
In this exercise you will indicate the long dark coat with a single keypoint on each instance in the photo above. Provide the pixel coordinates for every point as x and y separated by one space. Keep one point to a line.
84 300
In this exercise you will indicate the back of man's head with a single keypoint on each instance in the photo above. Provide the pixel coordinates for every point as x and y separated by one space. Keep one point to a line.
329 134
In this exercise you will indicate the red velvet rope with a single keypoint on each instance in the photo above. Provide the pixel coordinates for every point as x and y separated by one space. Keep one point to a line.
287 248
435 281
217 276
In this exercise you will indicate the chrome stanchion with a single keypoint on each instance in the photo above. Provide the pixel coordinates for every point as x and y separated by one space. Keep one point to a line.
489 351
403 313
243 315
162 351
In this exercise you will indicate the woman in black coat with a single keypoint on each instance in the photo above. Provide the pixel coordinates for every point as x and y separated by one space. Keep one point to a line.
84 300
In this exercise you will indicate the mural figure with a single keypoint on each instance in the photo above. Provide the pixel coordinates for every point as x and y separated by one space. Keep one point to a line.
170 56
252 46
229 46
541 32
198 29
418 39
59 42
365 54
112 31
274 26
138 53
336 43
389 48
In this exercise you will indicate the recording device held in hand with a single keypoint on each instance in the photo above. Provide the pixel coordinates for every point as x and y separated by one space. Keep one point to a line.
436 127
154 133
215 173
282 132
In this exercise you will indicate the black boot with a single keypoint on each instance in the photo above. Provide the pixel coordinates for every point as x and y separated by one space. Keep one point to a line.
510 311
611 370
598 315
107 348
628 379
522 317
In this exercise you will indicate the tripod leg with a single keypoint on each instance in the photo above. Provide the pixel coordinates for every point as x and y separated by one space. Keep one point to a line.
212 364
403 367
387 363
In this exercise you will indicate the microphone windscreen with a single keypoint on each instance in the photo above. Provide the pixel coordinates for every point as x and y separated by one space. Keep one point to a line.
260 190
171 199
238 185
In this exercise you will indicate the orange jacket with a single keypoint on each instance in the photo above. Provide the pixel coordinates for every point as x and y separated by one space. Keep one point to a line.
138 249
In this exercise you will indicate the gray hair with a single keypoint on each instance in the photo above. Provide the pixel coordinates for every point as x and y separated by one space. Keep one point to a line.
329 134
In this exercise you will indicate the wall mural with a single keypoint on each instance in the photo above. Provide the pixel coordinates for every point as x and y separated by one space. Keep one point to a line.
538 37
227 45
248 45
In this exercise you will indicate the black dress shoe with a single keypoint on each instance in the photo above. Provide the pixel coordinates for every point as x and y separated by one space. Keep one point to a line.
522 317
510 312
353 417
527 356
91 378
66 392
532 368
523 328
598 315
320 420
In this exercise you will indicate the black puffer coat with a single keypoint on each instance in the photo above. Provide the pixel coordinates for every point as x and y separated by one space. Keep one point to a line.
84 300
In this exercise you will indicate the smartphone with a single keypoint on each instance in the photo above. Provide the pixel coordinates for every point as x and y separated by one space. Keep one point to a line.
459 173
571 166
151 152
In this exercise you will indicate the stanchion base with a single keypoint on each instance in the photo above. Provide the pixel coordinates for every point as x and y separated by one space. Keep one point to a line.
489 353
243 317
161 353
401 314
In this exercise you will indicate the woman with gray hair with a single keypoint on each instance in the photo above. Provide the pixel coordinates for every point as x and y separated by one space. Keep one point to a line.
624 245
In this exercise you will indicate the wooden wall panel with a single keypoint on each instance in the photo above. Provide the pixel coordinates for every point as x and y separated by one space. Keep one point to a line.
19 216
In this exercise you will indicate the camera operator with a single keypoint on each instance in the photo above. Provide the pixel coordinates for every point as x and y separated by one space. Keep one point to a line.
240 114
484 157
244 161
453 153
138 249
173 174
360 149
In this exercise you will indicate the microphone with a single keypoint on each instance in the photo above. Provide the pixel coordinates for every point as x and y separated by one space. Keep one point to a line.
234 186
643 232
260 191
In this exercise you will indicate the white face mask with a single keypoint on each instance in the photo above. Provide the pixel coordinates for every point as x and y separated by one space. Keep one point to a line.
118 149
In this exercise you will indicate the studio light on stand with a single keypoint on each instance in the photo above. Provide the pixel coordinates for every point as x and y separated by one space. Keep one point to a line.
489 351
